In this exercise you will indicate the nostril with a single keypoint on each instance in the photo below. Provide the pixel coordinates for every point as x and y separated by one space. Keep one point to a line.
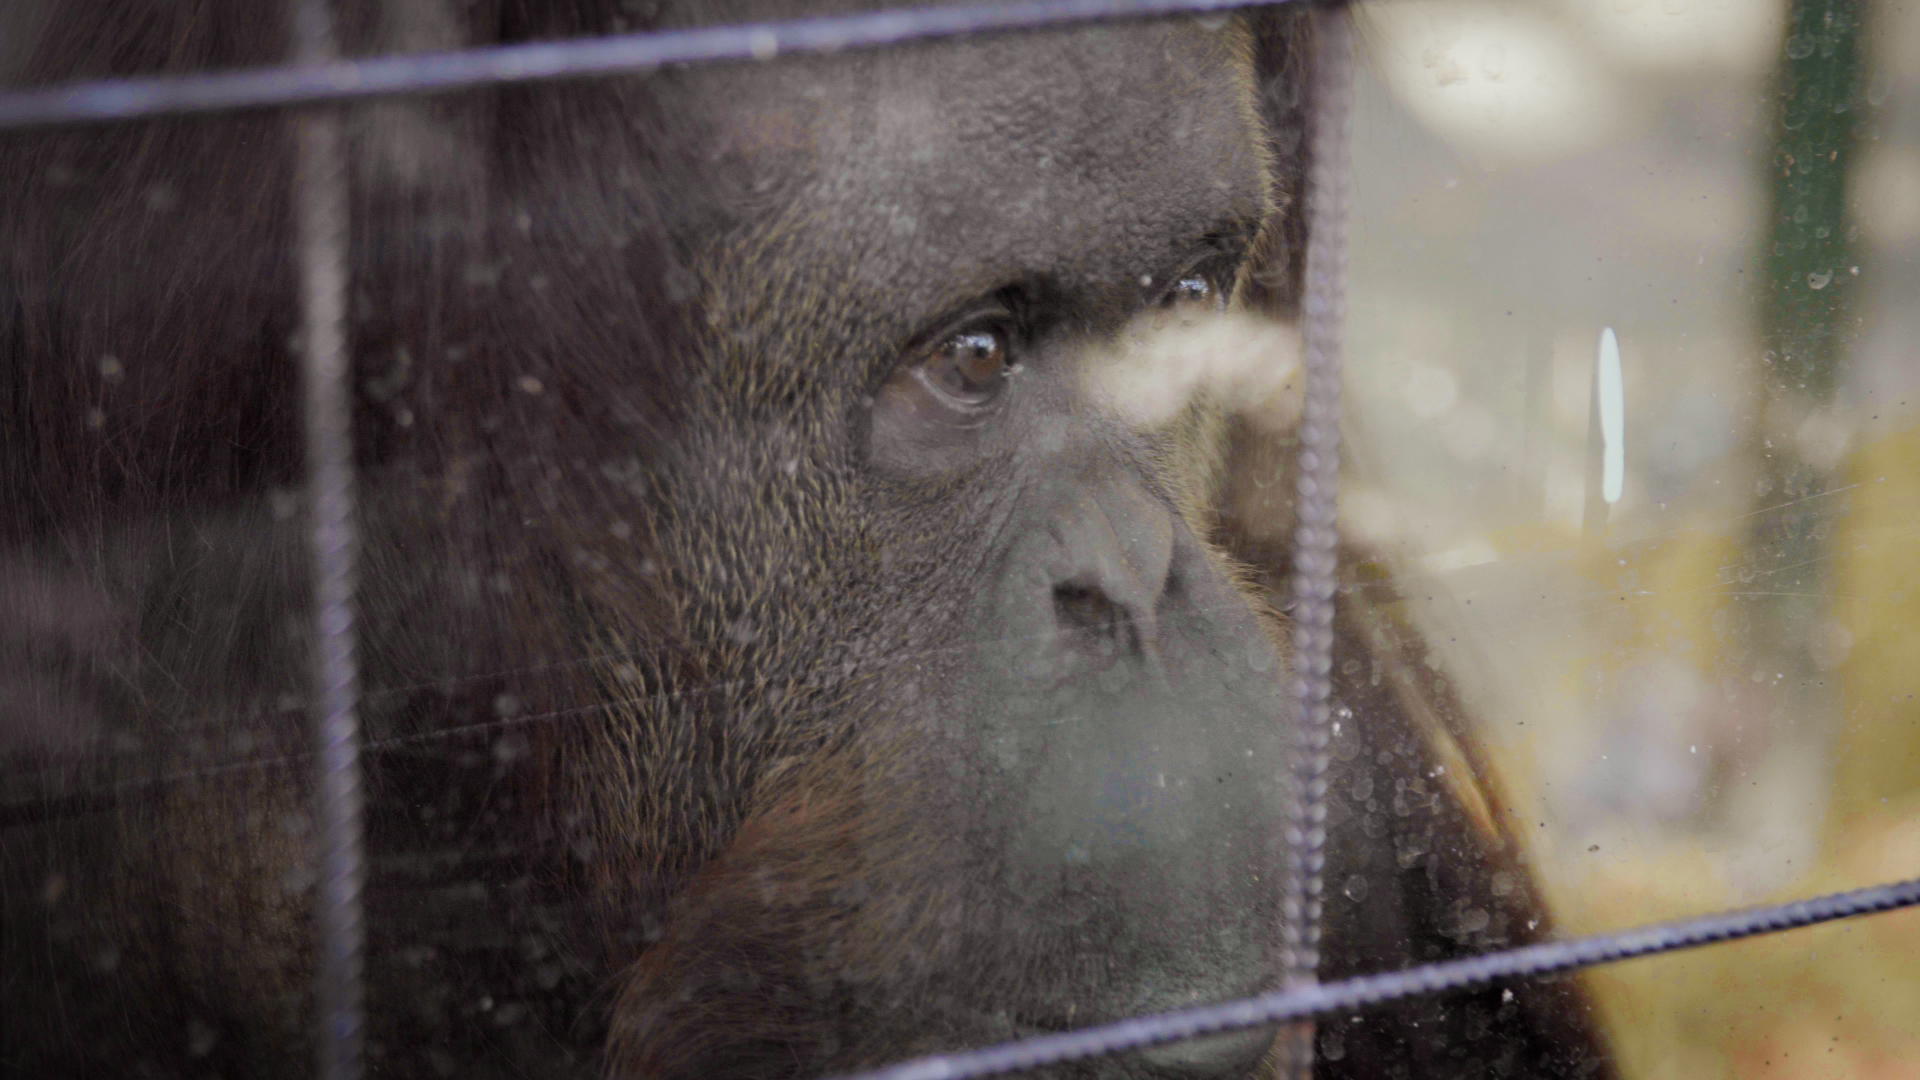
1086 610
1097 625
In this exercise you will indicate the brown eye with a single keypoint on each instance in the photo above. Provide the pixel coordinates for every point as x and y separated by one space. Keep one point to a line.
968 369
940 396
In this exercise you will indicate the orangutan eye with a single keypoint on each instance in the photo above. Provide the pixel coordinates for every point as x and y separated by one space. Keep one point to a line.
941 395
1196 291
1192 290
967 371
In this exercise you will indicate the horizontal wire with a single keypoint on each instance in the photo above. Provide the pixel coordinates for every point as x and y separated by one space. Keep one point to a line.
118 100
1348 995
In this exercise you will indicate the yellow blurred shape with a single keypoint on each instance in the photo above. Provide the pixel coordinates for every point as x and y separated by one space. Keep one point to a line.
1877 607
1836 1001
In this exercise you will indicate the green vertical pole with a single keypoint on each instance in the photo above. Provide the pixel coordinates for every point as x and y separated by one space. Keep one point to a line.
1809 245
1805 329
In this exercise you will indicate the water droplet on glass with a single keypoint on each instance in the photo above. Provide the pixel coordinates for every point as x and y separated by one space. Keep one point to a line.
200 1039
1333 1043
510 749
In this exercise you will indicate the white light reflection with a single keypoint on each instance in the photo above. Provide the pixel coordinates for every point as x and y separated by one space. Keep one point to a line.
1613 417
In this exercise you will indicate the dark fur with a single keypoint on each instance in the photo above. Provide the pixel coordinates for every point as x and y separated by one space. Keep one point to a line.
663 675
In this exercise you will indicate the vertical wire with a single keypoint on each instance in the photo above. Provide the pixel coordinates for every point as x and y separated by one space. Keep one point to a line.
1315 539
320 197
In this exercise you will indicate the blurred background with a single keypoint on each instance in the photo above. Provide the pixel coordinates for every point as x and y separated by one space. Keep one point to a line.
1704 693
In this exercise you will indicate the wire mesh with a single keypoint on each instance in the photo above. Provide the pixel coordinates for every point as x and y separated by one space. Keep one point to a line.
120 100
322 211
1315 562
317 79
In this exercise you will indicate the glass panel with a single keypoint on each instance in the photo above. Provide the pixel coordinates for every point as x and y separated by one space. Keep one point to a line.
1701 682
796 635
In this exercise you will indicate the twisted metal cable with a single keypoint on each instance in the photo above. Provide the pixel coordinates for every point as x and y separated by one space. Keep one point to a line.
320 197
1349 995
1315 537
115 100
